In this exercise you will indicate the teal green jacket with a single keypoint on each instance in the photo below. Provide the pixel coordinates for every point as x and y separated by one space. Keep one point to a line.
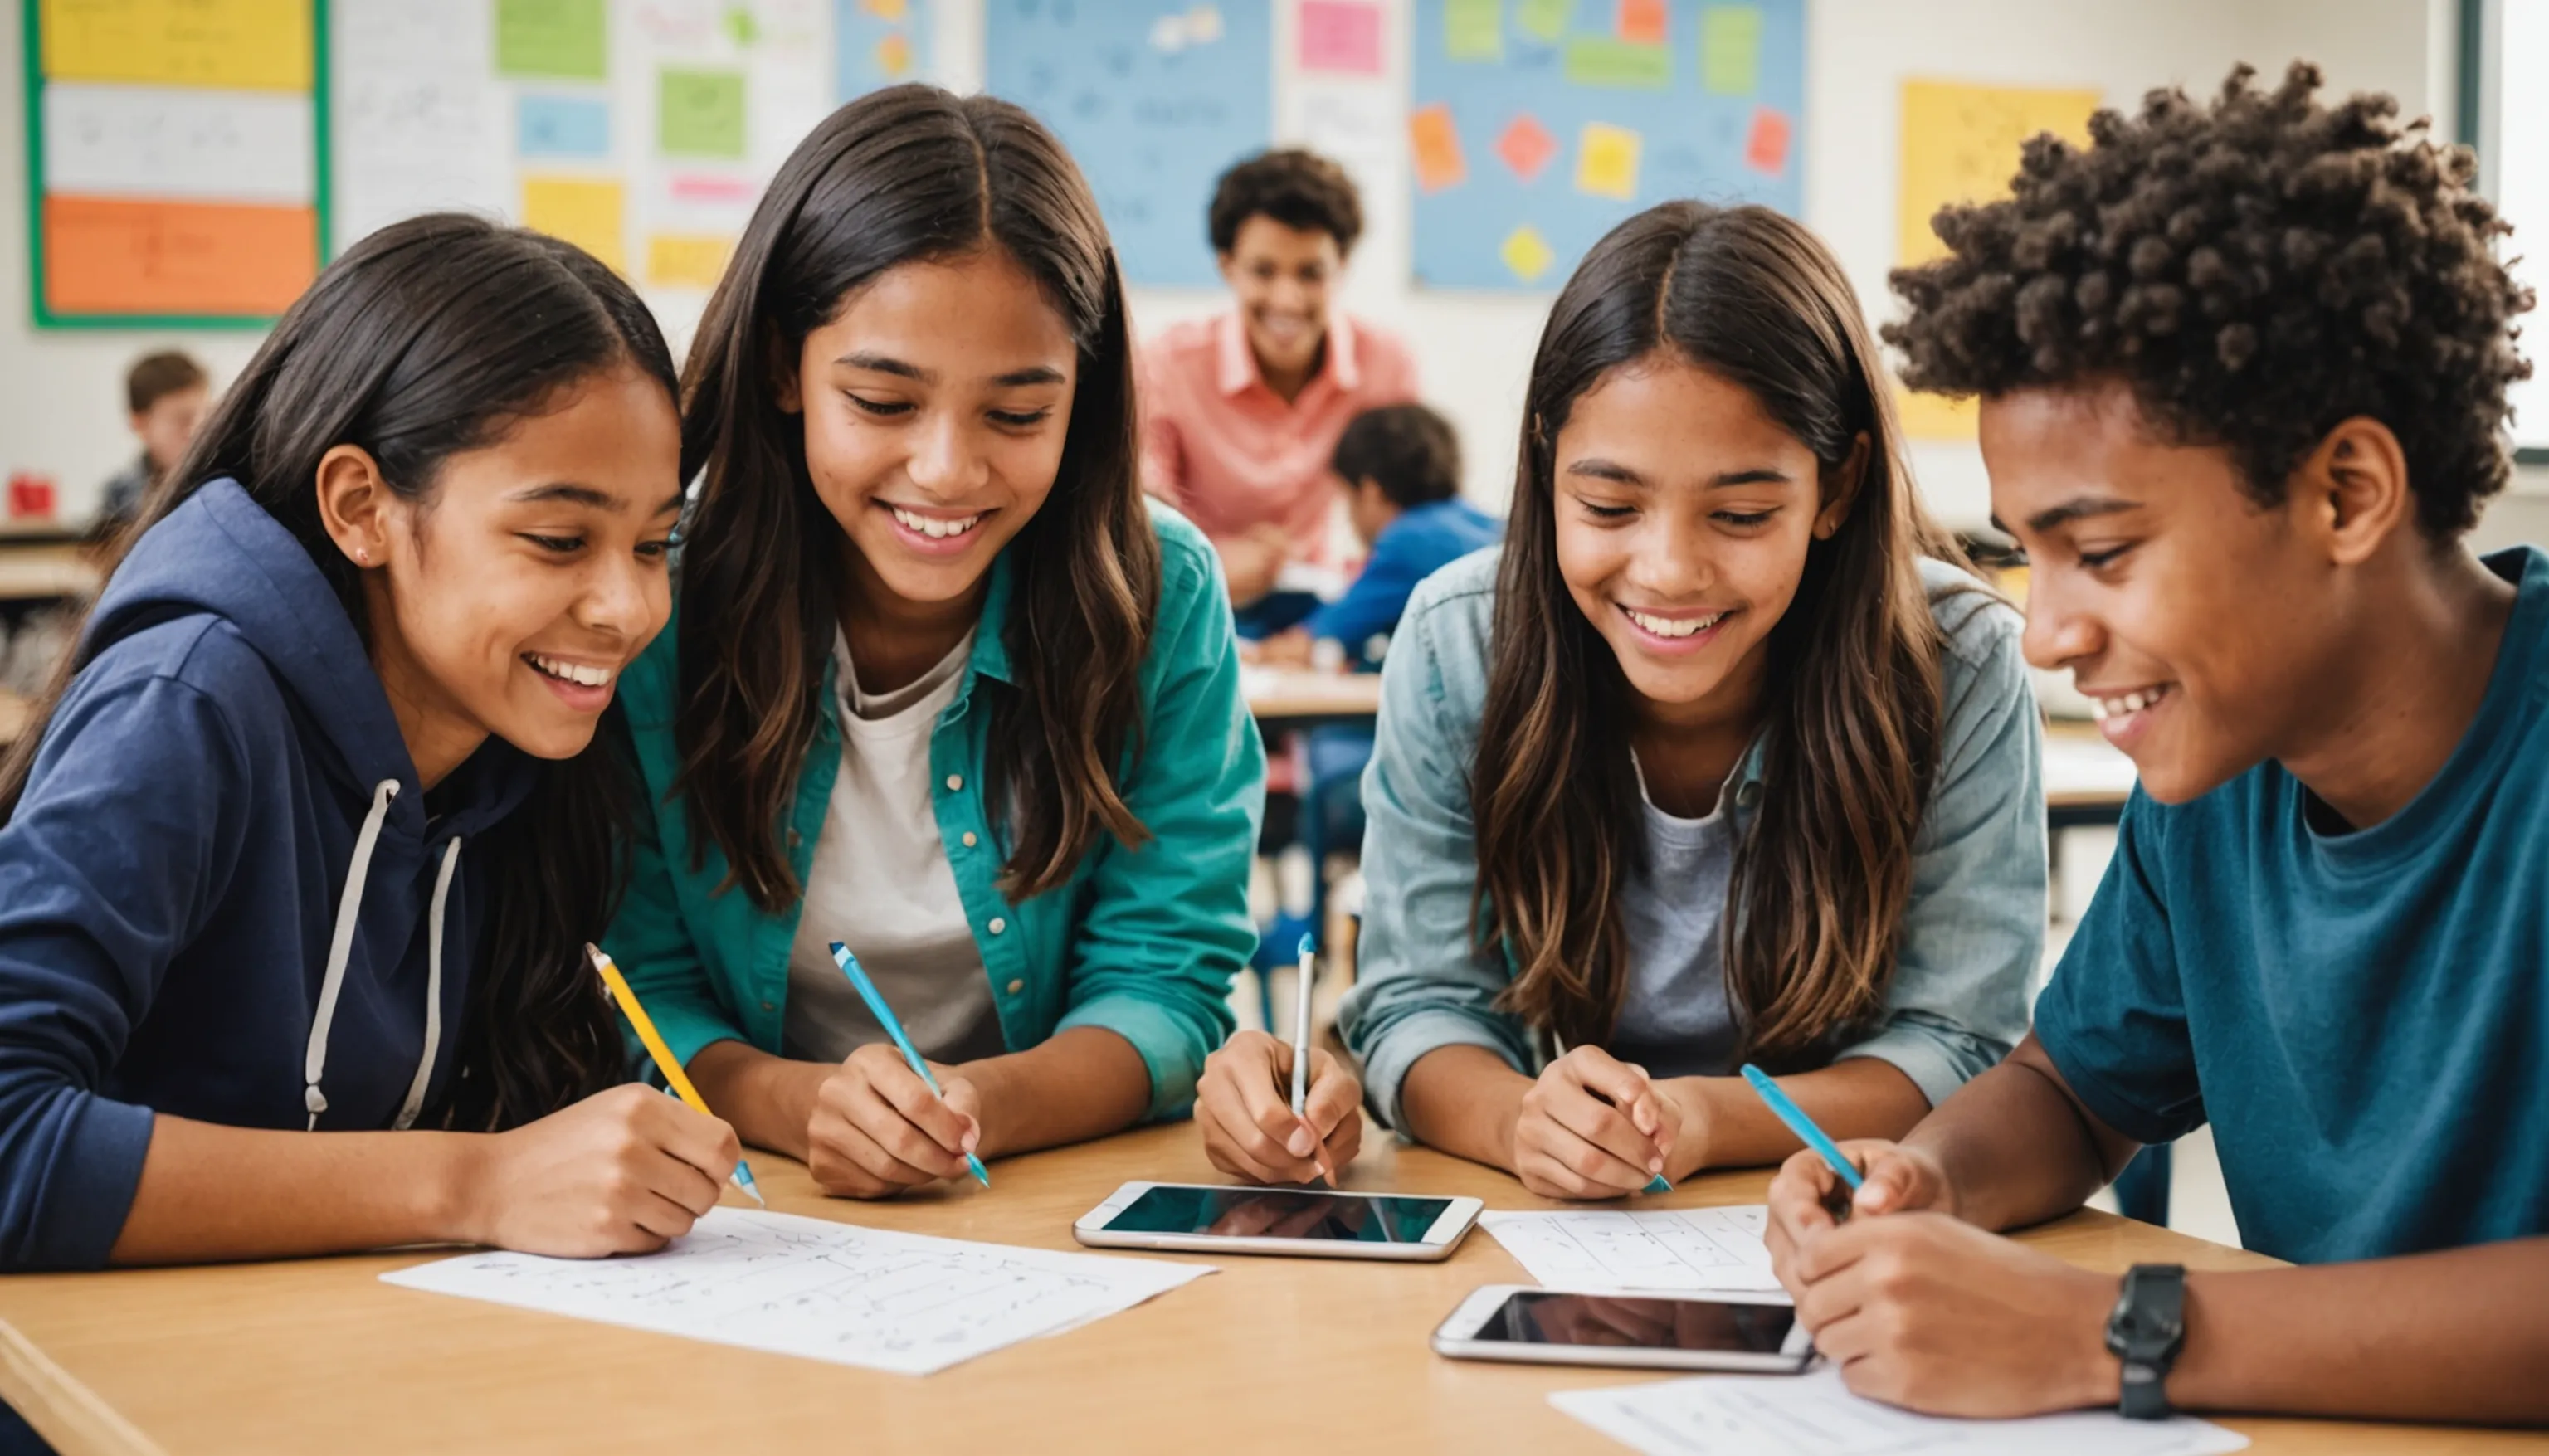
1143 942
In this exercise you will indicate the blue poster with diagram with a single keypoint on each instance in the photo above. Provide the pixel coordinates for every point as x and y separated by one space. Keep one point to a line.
1154 98
1537 124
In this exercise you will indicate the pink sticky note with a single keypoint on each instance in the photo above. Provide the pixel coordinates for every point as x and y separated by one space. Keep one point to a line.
1767 148
1341 36
1525 146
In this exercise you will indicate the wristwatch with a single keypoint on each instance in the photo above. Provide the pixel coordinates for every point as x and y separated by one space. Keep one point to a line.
2147 1331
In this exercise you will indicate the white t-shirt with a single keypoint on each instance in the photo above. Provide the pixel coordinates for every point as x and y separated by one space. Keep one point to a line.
880 884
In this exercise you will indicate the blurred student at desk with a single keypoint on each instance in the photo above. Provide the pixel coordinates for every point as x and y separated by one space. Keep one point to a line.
1240 410
165 395
1401 465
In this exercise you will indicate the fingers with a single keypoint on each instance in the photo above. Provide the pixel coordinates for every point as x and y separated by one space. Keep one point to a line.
705 1142
1335 1096
1624 1086
924 1128
1249 1127
1603 1124
1895 1181
1556 1162
848 1160
1799 1197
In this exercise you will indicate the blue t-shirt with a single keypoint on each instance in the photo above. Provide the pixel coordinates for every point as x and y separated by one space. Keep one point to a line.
2362 1017
1420 542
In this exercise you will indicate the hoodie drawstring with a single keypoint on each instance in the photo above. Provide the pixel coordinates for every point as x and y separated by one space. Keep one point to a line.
340 948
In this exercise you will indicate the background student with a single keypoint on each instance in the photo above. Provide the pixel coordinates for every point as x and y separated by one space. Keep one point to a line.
165 394
1721 757
943 686
1402 469
2242 477
311 835
1241 411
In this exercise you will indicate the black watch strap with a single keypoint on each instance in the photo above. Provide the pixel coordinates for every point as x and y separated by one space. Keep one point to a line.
2146 1332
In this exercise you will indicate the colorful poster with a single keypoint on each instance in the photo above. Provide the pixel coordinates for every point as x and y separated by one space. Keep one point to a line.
227 45
561 125
699 113
589 212
564 39
1585 112
1341 37
1960 143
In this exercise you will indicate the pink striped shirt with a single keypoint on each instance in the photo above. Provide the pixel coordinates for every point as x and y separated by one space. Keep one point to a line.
1226 450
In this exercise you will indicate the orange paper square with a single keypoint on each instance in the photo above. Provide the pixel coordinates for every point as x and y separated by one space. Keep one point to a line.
126 255
1641 21
1525 146
1767 148
1435 141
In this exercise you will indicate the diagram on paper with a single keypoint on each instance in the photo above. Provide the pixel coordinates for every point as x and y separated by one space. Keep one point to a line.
1679 1250
899 1302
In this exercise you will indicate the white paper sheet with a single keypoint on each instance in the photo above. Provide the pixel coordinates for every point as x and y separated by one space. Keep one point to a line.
1814 1415
904 1302
1678 1250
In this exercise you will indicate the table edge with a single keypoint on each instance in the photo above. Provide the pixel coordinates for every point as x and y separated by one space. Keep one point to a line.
72 1419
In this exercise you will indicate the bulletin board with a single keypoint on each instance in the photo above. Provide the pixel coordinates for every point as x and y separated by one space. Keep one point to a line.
1537 125
1155 98
176 160
641 131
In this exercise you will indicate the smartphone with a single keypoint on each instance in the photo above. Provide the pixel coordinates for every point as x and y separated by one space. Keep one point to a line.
1548 1326
1314 1221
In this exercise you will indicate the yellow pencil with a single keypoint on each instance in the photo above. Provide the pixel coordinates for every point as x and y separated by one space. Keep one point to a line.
674 1077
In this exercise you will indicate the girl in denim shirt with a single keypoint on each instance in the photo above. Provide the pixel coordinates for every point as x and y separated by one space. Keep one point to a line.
1724 757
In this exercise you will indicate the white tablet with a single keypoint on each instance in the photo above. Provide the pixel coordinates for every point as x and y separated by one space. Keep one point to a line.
1547 1327
1314 1221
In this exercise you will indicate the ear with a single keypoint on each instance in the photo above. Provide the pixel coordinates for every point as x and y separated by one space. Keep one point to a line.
1228 266
781 369
1840 489
2353 490
354 504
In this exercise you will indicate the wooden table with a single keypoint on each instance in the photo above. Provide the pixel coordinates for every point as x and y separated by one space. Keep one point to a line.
1268 1354
1301 697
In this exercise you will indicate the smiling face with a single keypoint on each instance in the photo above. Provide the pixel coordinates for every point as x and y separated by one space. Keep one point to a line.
506 600
2192 618
935 404
1684 514
1281 277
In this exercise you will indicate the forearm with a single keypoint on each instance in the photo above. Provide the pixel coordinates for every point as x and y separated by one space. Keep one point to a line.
1082 1082
1725 1125
2460 1335
768 1099
211 1193
1463 1100
2016 1148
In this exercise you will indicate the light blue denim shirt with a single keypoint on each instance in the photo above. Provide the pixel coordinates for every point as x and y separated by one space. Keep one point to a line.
1971 934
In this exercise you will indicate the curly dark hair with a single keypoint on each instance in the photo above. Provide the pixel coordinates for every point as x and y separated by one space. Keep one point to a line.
1299 189
2258 271
1413 453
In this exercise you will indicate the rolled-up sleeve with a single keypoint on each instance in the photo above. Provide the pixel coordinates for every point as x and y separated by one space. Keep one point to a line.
1423 983
1974 928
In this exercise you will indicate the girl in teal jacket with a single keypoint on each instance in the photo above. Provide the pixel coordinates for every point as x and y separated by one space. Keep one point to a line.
941 684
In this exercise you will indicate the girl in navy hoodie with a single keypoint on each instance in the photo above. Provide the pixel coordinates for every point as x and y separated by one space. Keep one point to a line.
300 851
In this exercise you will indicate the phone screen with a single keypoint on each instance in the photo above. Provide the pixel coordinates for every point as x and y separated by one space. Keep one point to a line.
1620 1321
1280 1212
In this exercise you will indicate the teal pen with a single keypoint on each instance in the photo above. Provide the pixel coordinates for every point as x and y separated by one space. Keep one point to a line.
884 1014
1802 1124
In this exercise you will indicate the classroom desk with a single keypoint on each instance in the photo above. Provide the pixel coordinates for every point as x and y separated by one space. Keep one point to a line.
1266 1355
1302 697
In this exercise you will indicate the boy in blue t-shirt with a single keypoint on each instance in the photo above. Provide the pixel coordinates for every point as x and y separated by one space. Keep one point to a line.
2243 370
1401 465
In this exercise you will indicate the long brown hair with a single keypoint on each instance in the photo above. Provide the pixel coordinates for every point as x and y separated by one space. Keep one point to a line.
908 174
427 338
1850 713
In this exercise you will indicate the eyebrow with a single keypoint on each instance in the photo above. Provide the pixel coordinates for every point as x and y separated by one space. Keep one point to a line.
1608 470
2078 507
569 494
886 364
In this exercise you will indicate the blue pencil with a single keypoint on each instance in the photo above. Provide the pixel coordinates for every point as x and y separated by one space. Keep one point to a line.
1802 1124
884 1014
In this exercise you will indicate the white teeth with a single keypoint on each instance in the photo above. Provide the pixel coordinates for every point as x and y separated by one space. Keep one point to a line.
933 527
576 672
1673 627
2104 708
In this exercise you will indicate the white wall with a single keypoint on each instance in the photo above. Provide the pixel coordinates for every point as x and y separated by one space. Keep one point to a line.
59 410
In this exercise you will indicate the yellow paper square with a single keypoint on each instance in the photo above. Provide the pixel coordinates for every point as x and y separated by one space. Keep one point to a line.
232 45
1527 254
1961 143
687 259
889 11
584 210
1606 162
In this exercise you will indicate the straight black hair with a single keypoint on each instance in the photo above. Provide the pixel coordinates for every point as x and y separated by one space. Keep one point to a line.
428 338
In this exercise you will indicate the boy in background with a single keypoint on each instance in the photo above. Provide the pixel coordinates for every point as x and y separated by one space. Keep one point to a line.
1402 469
166 394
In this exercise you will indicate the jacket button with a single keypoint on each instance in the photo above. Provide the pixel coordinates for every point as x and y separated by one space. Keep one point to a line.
998 925
969 839
955 782
1016 986
769 1006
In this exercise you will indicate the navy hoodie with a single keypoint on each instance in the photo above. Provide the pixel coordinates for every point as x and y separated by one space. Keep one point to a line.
170 884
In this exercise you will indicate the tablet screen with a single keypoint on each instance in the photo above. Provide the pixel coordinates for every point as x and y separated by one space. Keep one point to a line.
1539 1316
1280 1212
